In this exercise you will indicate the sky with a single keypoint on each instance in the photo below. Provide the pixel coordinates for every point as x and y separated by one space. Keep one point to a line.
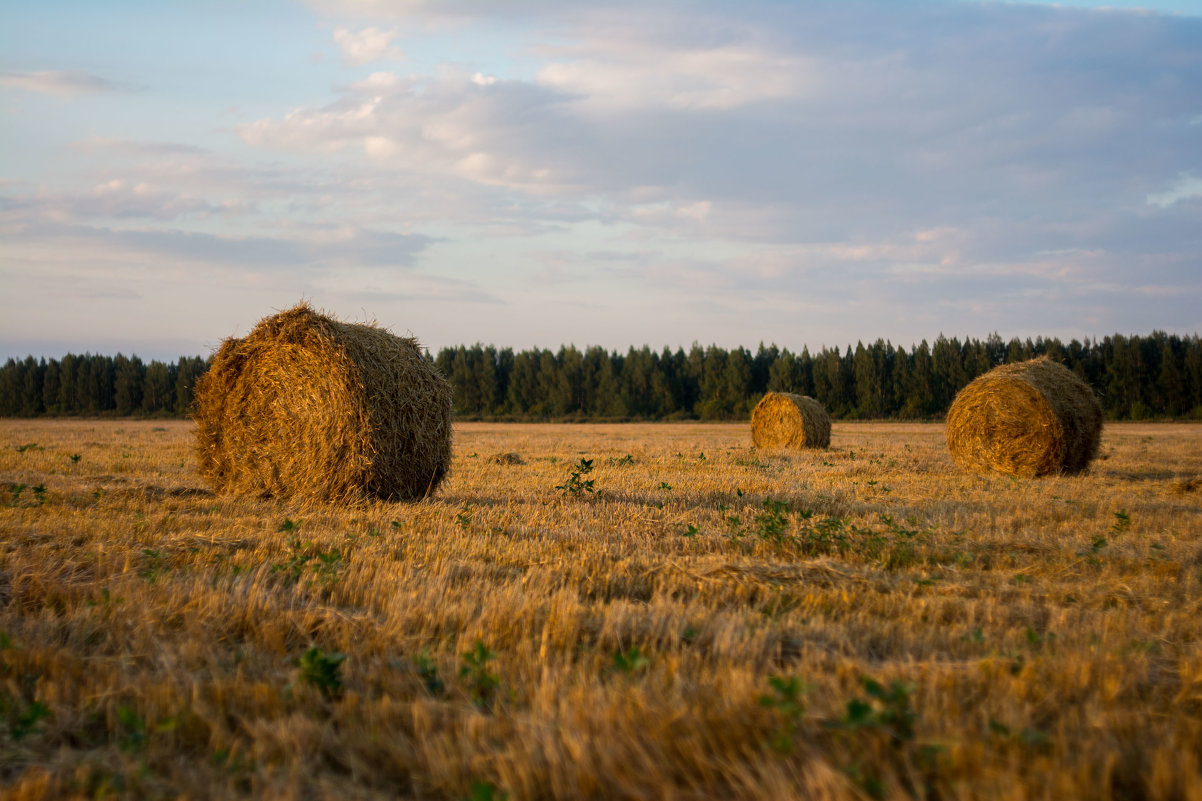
534 173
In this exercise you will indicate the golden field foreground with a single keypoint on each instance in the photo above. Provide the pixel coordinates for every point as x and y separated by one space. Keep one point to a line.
701 621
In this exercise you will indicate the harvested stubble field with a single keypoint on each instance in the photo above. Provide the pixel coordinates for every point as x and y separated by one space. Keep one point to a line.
700 621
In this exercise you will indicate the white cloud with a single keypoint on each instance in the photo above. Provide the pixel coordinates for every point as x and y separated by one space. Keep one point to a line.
367 45
1185 187
648 74
800 170
381 83
116 199
65 83
380 147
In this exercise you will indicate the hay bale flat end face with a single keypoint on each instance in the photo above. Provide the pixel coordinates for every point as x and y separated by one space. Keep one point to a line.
785 421
1026 419
308 407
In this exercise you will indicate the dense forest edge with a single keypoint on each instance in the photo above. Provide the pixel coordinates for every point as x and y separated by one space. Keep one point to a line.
1156 376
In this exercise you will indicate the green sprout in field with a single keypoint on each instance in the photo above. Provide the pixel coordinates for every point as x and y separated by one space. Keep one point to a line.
481 684
322 670
487 791
888 711
631 661
574 486
786 699
427 671
326 565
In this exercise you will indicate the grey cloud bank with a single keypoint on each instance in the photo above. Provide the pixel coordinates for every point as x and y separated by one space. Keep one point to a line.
809 173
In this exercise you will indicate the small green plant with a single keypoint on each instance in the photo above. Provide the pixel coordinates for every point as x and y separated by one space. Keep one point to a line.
25 721
664 485
1122 522
427 671
463 518
14 493
481 684
887 709
327 565
322 671
773 522
1036 639
75 457
631 661
625 460
691 531
29 446
486 791
156 564
1035 739
824 537
294 567
753 463
134 734
288 526
574 486
734 526
786 699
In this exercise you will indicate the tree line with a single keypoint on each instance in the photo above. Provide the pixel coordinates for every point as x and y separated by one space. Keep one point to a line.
1135 377
98 385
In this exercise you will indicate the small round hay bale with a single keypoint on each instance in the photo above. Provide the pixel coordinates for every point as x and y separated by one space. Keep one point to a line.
782 420
309 407
1025 419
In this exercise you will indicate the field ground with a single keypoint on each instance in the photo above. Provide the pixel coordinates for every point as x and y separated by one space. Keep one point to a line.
702 621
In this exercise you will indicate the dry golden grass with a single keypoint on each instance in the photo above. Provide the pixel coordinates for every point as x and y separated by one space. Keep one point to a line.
1044 633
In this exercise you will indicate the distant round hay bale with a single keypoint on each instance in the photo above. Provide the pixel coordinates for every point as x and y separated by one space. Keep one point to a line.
782 420
1025 419
309 407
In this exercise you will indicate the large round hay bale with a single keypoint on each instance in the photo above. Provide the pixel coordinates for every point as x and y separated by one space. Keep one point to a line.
1025 419
309 407
782 420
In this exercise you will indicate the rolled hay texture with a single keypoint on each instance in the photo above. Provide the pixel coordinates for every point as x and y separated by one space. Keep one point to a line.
1025 419
784 421
312 408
